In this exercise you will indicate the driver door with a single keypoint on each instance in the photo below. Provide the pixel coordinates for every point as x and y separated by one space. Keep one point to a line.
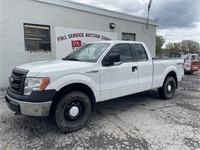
121 78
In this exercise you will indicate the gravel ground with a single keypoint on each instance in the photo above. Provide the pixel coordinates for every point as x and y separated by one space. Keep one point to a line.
140 121
2 93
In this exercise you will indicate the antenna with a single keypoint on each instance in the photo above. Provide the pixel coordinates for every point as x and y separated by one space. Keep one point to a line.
149 6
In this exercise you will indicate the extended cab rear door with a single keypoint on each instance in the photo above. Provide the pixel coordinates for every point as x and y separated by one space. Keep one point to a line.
145 67
121 78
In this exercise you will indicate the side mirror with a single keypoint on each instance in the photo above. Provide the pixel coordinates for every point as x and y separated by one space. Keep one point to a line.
111 59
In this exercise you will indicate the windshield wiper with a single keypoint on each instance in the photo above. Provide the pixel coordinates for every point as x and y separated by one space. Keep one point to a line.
72 59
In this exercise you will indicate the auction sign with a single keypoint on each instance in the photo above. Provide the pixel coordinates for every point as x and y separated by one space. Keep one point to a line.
69 39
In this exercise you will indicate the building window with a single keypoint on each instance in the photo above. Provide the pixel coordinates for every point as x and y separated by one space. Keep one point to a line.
128 36
37 37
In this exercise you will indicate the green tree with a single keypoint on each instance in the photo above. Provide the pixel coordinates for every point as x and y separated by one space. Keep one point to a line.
185 46
159 43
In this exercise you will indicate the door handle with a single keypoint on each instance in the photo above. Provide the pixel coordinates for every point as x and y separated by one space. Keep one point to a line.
134 68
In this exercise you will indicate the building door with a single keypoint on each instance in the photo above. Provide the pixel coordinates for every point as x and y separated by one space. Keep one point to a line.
128 36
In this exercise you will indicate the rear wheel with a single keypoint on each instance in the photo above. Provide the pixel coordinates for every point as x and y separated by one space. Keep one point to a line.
191 72
168 89
72 111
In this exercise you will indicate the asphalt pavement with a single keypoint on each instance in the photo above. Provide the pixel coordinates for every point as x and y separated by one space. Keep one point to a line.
140 122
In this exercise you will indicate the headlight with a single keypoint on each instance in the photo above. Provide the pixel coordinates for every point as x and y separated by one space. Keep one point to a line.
35 84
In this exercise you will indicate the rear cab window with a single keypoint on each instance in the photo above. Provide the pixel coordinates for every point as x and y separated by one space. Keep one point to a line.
140 52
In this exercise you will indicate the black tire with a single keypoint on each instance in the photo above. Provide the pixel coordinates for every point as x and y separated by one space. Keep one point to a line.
72 111
168 89
191 72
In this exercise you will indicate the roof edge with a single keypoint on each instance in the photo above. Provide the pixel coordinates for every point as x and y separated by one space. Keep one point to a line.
97 10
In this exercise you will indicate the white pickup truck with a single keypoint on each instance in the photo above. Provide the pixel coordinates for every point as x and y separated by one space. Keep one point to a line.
98 71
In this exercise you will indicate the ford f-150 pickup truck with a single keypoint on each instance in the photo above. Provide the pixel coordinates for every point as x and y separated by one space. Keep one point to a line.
68 89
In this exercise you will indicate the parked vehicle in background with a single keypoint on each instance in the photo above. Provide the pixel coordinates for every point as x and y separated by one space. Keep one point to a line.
95 72
176 55
198 53
191 63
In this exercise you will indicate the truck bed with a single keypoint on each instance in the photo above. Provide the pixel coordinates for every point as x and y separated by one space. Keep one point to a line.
155 59
164 65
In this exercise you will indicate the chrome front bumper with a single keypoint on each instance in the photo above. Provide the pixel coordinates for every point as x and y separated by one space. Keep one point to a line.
29 108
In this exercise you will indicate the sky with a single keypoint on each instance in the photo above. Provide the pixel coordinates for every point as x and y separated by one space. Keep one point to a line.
178 19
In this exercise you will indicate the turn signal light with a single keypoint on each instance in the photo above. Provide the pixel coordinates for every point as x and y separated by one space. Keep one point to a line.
45 82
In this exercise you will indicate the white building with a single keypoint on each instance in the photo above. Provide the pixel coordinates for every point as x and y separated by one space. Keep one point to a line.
33 30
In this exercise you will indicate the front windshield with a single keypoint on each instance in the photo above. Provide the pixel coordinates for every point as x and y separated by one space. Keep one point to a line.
88 52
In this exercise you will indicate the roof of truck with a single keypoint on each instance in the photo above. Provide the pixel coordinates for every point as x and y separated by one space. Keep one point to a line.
118 41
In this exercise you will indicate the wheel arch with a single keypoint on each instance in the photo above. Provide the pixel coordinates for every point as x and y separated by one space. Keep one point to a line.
174 75
75 87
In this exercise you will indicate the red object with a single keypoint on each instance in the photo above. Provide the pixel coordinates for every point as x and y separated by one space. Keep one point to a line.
76 43
195 66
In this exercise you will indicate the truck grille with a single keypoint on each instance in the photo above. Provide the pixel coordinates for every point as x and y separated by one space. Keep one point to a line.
17 80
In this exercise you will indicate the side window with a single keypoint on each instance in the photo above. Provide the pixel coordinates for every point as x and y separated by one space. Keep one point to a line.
141 53
124 50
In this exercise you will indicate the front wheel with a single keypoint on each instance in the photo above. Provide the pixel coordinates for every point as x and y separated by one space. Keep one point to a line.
72 111
168 89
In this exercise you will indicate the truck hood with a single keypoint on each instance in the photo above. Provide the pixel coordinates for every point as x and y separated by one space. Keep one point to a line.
36 67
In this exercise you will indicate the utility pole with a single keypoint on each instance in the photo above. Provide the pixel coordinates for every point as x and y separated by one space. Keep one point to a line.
149 6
